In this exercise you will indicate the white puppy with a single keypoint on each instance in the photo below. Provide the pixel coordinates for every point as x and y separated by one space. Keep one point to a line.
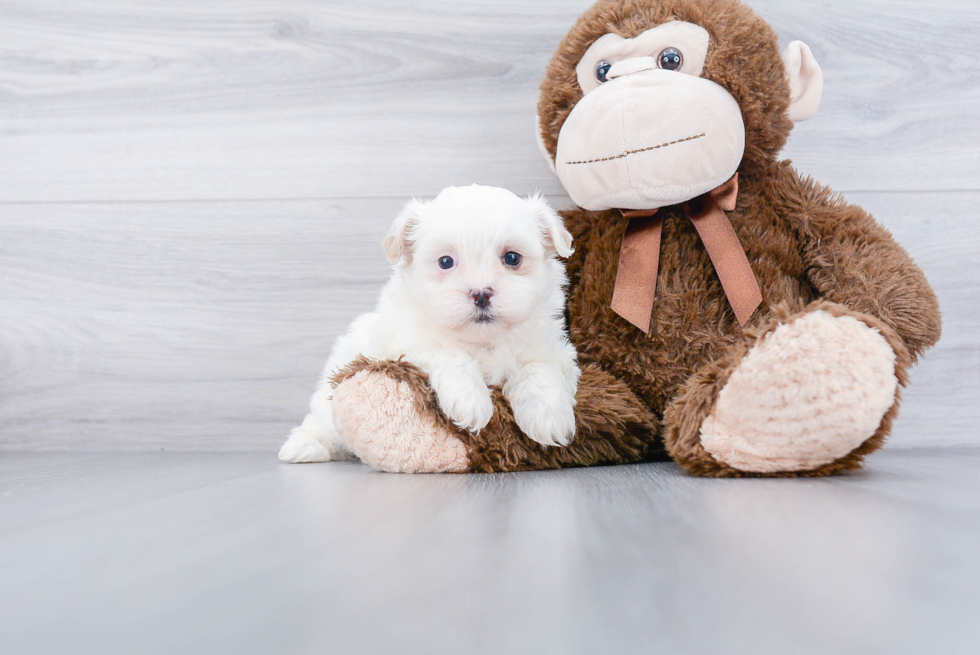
476 299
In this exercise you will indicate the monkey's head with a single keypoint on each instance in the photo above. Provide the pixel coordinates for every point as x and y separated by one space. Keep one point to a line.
649 103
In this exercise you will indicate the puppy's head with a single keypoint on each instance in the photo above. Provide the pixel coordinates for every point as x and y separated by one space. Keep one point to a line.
480 258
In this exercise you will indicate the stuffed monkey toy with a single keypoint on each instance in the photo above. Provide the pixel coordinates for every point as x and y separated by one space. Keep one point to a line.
728 313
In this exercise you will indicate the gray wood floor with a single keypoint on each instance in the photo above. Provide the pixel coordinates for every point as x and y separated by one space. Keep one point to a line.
192 193
210 553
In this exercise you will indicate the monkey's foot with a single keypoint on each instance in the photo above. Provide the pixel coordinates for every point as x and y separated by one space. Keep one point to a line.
809 393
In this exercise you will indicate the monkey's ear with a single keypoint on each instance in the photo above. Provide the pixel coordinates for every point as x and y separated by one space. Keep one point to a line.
805 81
553 231
398 240
541 146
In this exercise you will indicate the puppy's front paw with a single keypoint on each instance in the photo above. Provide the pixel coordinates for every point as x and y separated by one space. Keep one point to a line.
466 403
547 419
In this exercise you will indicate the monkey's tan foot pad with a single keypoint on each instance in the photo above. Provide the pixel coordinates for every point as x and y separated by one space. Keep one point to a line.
379 419
807 394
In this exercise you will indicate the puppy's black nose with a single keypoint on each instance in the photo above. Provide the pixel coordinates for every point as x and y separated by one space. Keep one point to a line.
481 297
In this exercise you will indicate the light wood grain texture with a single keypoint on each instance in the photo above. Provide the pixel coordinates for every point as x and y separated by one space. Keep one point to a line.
165 324
187 99
233 553
204 325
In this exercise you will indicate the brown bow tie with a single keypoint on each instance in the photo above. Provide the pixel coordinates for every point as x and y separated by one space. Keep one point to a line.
639 257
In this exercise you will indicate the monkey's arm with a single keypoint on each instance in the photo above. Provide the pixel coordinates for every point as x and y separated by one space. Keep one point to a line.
388 415
854 261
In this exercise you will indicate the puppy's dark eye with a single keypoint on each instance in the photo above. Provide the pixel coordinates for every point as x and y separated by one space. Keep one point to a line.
670 59
446 263
601 70
512 259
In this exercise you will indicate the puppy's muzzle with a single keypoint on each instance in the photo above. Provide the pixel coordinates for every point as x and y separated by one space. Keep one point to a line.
481 297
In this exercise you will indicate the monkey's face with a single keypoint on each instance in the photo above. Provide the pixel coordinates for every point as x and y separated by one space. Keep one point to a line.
649 131
649 103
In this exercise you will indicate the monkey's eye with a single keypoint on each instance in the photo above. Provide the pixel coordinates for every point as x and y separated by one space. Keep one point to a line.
601 70
446 263
670 59
512 259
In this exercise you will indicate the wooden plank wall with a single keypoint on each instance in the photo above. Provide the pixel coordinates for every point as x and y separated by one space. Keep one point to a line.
192 193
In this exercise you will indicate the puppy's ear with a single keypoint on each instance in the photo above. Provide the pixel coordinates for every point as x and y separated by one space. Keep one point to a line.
553 233
399 238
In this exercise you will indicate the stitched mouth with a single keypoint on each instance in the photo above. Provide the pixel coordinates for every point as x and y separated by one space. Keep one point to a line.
633 152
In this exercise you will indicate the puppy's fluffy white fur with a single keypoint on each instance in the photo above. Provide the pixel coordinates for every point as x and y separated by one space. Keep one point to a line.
459 308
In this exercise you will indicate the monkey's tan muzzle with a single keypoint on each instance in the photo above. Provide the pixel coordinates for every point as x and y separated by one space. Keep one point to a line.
649 138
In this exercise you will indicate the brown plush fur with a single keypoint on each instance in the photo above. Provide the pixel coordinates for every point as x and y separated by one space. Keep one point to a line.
805 246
